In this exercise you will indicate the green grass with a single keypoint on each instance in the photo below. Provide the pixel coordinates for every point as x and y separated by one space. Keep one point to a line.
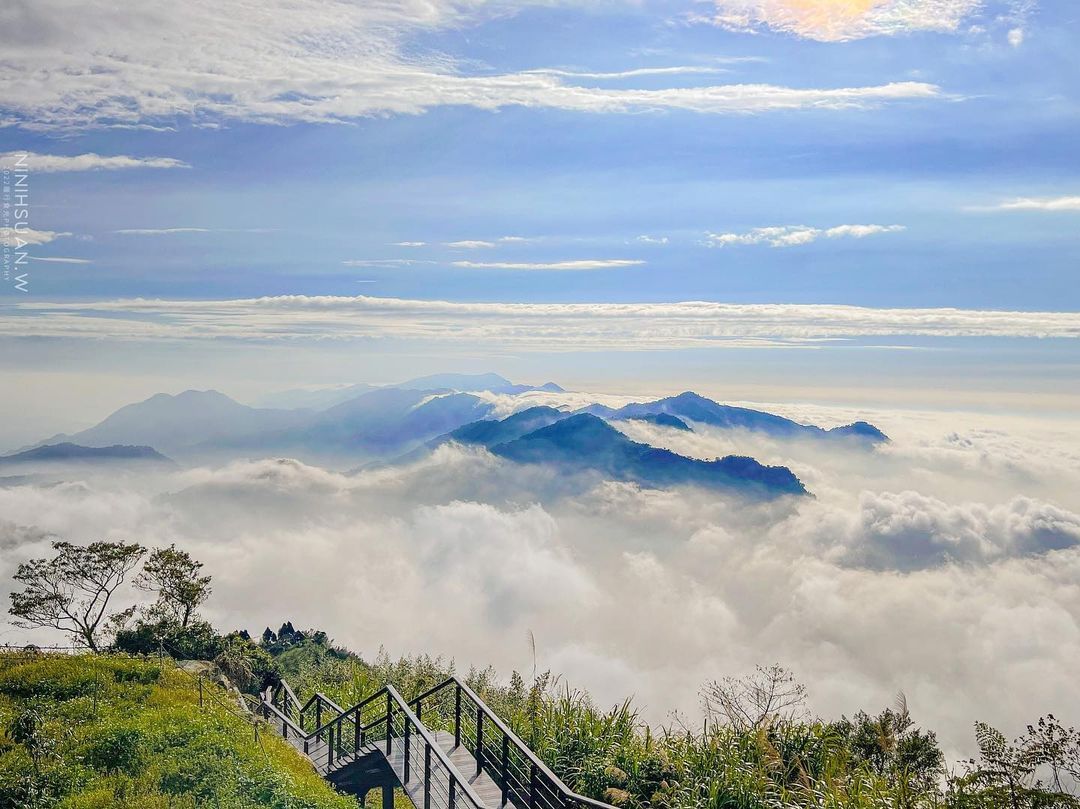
91 732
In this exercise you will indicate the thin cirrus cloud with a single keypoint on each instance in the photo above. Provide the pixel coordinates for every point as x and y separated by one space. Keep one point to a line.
183 230
794 235
49 163
844 20
485 244
23 237
309 61
524 326
578 264
61 259
1035 204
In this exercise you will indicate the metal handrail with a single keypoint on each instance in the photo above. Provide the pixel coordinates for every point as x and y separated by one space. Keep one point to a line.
458 781
567 793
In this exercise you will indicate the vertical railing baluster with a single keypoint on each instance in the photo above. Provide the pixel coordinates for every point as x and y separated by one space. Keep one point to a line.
329 747
389 722
419 710
427 776
532 787
505 768
408 734
453 792
479 740
457 717
318 719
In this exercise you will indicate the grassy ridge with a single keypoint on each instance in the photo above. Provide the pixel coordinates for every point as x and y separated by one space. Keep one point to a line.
91 732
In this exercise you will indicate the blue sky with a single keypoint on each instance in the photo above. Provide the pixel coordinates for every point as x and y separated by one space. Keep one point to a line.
863 152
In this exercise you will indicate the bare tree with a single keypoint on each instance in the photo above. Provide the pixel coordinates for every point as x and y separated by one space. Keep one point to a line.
71 591
174 576
771 693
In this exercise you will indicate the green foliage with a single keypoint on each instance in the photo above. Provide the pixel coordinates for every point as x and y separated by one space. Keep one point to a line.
249 667
71 591
769 757
98 732
174 576
196 641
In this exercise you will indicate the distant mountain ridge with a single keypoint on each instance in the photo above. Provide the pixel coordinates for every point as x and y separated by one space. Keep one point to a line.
585 442
174 423
690 406
74 452
396 422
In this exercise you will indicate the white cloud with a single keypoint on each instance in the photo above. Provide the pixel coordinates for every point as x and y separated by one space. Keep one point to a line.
20 237
842 20
47 163
1035 204
675 70
891 575
470 244
182 230
791 235
62 260
408 244
159 231
652 239
524 326
579 264
100 64
1016 37
385 262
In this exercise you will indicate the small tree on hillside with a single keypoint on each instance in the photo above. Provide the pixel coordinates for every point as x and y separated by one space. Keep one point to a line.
771 693
174 576
71 591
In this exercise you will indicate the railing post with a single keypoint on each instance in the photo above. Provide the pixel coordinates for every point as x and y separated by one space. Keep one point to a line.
284 729
532 787
389 722
357 741
479 740
329 747
457 716
419 710
408 734
427 776
318 719
453 792
505 768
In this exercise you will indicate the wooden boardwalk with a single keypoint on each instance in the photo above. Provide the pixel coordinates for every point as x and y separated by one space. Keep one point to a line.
440 771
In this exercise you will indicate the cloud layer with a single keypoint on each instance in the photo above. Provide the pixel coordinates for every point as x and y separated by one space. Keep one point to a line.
792 235
523 326
146 65
841 20
20 237
1039 204
48 163
947 551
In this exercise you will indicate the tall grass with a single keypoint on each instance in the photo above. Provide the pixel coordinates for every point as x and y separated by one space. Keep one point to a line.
90 732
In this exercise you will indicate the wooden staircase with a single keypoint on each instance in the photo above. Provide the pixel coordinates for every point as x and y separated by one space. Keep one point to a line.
445 749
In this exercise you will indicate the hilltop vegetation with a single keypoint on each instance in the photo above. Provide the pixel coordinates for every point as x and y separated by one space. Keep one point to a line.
758 749
99 732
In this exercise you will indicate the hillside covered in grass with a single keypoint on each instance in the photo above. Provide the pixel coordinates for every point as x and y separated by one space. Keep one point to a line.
113 732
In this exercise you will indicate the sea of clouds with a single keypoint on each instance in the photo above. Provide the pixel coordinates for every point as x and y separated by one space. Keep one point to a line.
946 564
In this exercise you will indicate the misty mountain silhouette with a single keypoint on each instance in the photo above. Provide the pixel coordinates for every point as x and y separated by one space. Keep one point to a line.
387 422
74 452
173 423
693 407
585 442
